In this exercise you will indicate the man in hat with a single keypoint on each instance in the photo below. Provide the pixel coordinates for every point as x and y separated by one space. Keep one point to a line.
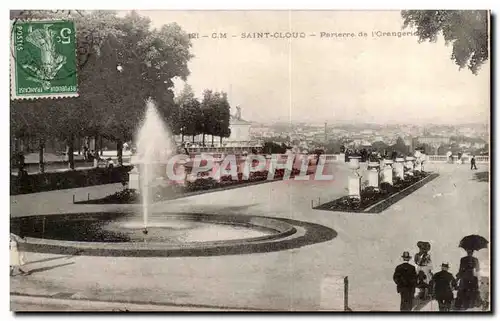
443 285
405 277
473 162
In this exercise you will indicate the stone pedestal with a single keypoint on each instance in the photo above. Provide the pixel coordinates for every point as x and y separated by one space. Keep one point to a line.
423 159
268 162
399 168
354 186
387 172
410 165
133 178
242 162
215 172
181 172
354 162
354 179
373 175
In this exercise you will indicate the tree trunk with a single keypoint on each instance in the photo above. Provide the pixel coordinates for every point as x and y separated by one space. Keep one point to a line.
220 141
41 147
21 145
79 142
20 161
182 137
203 140
97 146
71 158
212 140
119 149
193 139
101 145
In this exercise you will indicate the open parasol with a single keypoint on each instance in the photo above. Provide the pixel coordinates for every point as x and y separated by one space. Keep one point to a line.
425 246
473 242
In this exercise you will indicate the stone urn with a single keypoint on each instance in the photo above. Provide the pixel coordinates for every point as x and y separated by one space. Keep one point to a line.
399 168
410 165
354 163
354 179
387 172
133 175
373 175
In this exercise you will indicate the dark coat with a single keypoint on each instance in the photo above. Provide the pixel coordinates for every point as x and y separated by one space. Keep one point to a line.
405 276
467 266
444 283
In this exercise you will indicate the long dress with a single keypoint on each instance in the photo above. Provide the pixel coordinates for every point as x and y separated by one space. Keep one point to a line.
424 264
468 291
16 257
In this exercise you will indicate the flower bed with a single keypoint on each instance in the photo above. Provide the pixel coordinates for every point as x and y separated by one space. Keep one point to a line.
376 200
42 182
167 192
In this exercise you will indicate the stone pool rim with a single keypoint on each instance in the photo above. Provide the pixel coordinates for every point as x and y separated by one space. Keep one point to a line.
281 230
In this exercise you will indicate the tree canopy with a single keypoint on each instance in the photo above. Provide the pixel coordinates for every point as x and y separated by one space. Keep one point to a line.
111 100
466 30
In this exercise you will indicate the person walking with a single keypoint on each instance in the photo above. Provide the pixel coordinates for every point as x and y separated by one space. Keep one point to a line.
468 288
423 264
405 277
16 256
473 162
443 284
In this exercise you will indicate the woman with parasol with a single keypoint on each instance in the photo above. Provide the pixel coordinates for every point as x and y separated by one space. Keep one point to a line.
468 288
424 268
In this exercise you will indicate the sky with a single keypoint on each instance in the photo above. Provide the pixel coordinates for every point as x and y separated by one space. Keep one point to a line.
370 79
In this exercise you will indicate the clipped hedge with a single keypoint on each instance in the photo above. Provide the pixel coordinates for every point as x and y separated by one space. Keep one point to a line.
42 182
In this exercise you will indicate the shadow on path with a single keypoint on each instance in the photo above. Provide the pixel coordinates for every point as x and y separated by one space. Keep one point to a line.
48 268
419 304
482 177
50 259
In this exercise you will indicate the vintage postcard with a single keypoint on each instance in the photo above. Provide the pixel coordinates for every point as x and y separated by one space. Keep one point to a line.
325 161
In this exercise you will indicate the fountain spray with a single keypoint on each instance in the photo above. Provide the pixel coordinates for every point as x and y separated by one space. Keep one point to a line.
154 148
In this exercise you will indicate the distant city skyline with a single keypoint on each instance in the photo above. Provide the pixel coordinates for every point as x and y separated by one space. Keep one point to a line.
383 80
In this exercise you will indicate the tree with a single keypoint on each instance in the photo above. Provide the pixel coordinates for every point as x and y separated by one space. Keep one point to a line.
210 110
224 118
427 149
442 150
185 97
466 30
191 117
333 147
380 146
217 114
112 100
271 147
400 147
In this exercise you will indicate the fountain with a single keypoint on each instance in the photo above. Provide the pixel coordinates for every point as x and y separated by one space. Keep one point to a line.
154 148
118 232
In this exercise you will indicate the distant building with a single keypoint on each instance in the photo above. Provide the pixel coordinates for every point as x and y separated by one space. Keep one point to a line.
433 140
240 135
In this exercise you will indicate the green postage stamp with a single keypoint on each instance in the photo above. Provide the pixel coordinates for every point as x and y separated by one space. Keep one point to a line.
43 59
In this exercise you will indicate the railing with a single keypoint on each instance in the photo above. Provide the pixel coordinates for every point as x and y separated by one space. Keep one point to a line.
334 158
454 159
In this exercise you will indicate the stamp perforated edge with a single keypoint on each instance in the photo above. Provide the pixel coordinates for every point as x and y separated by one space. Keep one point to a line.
13 94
